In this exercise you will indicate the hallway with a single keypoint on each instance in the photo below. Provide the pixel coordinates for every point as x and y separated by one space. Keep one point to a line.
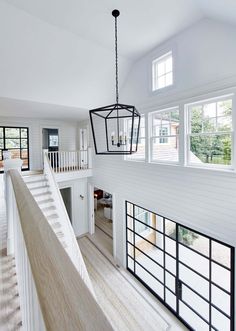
10 318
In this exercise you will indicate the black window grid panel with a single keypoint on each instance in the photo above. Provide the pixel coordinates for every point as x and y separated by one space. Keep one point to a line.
21 148
177 293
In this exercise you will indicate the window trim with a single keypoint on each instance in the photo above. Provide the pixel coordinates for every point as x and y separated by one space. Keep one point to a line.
188 134
151 137
154 61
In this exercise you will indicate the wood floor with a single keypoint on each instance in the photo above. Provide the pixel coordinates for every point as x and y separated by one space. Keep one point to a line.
103 223
10 317
126 309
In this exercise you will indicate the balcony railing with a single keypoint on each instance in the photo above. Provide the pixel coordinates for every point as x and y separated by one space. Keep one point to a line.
65 161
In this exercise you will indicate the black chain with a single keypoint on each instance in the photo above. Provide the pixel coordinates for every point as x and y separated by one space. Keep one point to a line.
116 51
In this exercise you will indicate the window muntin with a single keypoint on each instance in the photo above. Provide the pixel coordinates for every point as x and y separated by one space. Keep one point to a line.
210 133
164 138
15 140
141 153
186 270
162 71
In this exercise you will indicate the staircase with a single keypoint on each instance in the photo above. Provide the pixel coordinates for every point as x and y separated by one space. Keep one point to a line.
40 189
46 193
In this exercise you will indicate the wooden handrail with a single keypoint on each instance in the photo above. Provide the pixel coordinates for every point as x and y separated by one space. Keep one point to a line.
66 302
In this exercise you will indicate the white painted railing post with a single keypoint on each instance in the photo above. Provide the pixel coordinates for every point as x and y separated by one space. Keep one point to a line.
9 196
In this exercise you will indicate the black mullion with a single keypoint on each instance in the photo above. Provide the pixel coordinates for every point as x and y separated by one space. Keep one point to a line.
177 268
210 283
164 256
232 289
149 226
134 239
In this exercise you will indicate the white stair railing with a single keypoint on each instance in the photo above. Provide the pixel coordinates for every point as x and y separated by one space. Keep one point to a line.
66 227
53 294
64 161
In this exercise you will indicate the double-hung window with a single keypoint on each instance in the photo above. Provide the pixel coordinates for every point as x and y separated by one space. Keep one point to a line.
210 133
162 71
140 154
164 138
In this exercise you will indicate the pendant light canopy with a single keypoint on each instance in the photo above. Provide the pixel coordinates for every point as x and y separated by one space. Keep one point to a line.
115 127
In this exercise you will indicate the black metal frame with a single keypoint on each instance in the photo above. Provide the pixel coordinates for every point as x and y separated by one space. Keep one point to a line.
179 283
132 113
20 139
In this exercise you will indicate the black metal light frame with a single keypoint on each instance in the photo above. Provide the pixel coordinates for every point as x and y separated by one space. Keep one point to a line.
117 113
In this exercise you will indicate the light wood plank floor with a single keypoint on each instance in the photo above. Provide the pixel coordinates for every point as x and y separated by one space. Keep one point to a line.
10 317
103 223
126 309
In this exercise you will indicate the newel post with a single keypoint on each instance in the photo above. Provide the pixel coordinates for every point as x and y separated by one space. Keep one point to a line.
10 201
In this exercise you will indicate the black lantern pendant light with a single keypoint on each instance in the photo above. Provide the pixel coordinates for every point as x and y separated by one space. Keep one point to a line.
115 128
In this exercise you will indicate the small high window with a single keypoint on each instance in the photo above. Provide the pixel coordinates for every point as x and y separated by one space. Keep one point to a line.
162 71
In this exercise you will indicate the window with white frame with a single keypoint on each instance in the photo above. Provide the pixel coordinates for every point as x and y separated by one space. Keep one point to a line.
162 71
164 138
140 154
210 133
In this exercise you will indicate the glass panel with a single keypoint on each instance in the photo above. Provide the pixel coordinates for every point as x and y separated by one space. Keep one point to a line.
192 319
25 164
140 154
221 253
144 231
170 228
131 250
159 223
224 123
129 209
170 246
12 132
165 149
130 222
193 240
209 125
194 260
142 215
130 263
1 144
194 300
224 108
149 265
212 149
24 143
130 236
220 321
169 79
170 299
161 68
24 133
24 153
12 143
196 114
15 153
220 276
1 132
157 287
170 264
220 299
193 280
169 64
170 281
209 110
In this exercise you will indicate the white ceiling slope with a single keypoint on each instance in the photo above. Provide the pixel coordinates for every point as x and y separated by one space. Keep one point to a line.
143 24
29 109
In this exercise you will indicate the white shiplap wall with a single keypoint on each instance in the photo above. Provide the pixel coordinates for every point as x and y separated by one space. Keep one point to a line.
67 135
202 199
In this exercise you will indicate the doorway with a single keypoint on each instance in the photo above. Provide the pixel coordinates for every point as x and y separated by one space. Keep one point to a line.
103 220
50 139
66 196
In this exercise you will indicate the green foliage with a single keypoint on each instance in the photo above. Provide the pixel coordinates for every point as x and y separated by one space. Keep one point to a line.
212 148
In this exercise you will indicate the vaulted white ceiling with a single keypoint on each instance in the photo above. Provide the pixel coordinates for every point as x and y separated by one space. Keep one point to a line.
62 51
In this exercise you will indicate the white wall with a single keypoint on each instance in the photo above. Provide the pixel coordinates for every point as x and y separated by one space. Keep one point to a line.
202 199
67 135
43 63
78 204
